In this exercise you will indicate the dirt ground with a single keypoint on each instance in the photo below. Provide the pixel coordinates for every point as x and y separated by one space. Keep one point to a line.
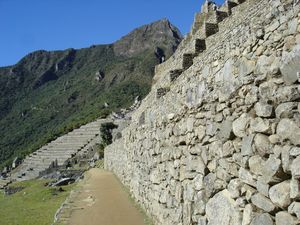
102 201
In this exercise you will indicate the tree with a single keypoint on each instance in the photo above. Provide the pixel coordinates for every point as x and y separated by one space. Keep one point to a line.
105 131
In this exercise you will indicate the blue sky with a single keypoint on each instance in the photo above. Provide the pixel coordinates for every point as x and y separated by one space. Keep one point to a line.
29 25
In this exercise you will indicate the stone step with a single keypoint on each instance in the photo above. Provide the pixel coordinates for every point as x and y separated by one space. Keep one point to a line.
75 135
64 148
72 138
46 159
41 165
199 45
67 145
86 132
53 151
174 74
211 29
187 60
227 6
160 92
49 156
215 16
59 149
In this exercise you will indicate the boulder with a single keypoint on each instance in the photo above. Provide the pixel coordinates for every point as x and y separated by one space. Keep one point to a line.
240 125
295 167
291 67
262 219
280 194
200 132
247 214
284 218
271 168
287 129
262 144
234 188
246 177
246 149
295 189
295 151
285 110
225 132
223 210
294 208
263 110
259 125
256 165
246 67
64 181
262 202
262 186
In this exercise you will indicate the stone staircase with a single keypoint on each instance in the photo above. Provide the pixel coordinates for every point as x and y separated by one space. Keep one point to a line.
57 152
206 24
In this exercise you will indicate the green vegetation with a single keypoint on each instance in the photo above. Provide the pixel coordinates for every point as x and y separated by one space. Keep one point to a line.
106 136
35 204
48 94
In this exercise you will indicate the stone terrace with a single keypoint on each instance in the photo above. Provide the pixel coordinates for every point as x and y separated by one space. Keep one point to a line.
57 152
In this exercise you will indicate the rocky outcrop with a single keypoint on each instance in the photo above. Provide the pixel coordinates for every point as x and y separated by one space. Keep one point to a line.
218 142
150 36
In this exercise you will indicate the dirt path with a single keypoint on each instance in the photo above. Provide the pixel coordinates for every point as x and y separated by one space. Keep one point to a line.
102 201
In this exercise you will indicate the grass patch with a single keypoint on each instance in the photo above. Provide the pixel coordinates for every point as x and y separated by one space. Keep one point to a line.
34 205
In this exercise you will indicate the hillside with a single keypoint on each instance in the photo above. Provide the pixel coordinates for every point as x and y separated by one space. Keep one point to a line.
47 94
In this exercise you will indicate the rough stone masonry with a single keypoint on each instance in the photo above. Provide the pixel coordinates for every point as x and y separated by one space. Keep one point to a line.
221 145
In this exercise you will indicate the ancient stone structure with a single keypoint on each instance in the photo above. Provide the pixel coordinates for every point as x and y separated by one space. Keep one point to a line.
217 142
59 151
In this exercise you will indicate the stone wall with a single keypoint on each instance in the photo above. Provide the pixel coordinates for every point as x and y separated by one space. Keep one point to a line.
222 145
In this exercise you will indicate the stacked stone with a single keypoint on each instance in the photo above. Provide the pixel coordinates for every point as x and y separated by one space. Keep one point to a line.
59 151
222 146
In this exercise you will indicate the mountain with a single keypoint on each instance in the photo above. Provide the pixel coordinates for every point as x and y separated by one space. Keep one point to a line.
47 94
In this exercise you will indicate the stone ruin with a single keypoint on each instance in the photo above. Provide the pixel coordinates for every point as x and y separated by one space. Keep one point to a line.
57 153
217 140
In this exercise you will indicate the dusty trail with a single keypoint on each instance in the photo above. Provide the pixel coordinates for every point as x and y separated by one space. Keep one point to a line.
102 201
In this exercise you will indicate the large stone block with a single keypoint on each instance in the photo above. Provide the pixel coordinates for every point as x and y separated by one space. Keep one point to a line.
284 218
262 202
295 167
262 219
247 214
288 129
262 144
294 209
290 68
246 177
223 210
280 194
240 125
263 110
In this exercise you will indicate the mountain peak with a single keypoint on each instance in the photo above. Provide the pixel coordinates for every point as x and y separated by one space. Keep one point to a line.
149 36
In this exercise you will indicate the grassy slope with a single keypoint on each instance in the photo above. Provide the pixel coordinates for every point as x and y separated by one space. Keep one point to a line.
34 205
